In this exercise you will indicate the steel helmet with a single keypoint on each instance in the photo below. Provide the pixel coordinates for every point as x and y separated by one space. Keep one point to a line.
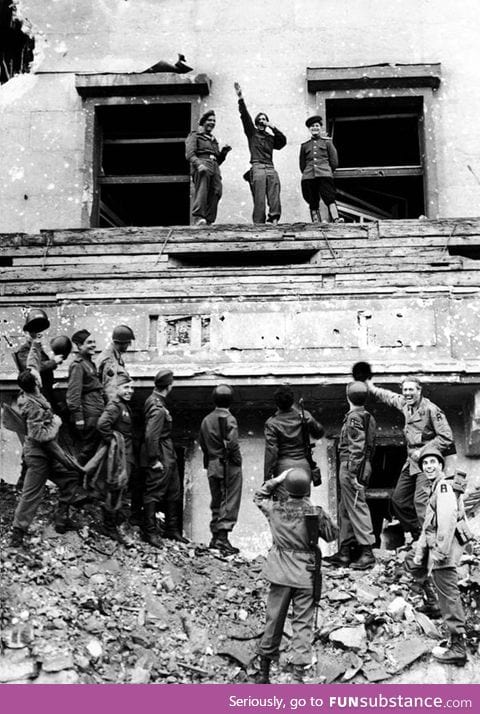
61 345
357 393
36 321
297 483
361 371
222 395
123 333
428 450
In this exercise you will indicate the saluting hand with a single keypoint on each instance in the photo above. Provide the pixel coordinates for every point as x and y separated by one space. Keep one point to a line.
238 89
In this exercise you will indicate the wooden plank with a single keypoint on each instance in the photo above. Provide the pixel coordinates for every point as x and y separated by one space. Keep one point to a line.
134 83
320 79
376 171
151 178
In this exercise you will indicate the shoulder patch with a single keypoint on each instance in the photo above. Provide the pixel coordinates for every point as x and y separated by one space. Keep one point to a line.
443 488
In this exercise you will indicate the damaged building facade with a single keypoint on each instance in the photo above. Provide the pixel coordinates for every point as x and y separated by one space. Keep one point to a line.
95 198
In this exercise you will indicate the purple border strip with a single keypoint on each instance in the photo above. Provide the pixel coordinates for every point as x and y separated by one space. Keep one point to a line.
240 699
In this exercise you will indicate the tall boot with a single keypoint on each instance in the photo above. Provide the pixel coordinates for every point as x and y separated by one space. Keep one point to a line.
430 605
149 528
109 527
454 653
225 545
62 521
366 559
315 216
342 558
263 675
16 538
172 523
136 509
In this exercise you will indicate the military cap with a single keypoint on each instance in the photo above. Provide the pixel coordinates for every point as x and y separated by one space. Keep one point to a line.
313 120
80 336
163 378
428 450
123 378
357 393
206 116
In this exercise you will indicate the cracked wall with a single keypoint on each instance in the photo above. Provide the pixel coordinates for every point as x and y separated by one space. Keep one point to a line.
266 46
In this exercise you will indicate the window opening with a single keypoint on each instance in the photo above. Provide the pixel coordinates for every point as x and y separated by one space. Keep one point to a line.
381 157
142 176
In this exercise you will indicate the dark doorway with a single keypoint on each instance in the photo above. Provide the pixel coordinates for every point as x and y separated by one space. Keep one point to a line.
386 467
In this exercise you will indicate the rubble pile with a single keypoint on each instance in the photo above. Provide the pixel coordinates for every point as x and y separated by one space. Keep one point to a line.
79 608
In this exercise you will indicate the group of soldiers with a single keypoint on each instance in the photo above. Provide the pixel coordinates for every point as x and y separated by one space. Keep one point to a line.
318 160
107 467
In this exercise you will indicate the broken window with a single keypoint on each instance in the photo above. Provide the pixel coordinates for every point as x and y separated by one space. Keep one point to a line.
379 143
381 118
142 176
16 46
136 126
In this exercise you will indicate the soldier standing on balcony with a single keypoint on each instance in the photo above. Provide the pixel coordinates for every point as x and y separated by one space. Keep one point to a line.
110 364
318 161
205 157
425 423
262 177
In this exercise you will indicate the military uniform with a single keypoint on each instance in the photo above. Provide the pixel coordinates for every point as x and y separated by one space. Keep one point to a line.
424 424
225 479
45 366
110 366
439 550
202 148
288 568
263 178
162 485
44 460
284 442
318 160
85 402
356 446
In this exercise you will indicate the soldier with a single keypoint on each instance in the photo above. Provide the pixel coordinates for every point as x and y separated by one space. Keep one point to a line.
318 161
162 483
262 177
35 325
356 447
110 364
205 157
284 439
425 423
85 400
223 461
439 550
289 567
112 484
43 457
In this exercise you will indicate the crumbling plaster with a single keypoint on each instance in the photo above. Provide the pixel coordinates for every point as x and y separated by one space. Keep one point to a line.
267 47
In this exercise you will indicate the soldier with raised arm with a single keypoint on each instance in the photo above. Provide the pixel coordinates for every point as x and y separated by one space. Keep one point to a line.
425 423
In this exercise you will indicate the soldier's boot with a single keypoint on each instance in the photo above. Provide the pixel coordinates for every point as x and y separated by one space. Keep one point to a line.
62 522
365 560
263 675
136 511
16 538
172 523
149 527
298 673
430 606
225 545
342 558
454 653
315 216
109 527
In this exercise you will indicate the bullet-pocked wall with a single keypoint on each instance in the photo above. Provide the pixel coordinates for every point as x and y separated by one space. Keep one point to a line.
45 165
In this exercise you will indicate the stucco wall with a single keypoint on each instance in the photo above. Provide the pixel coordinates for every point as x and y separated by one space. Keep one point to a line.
267 47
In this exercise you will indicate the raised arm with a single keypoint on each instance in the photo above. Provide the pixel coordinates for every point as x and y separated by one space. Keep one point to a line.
248 125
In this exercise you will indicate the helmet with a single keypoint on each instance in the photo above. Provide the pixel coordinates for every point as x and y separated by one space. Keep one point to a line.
357 393
428 450
123 333
297 483
36 321
222 395
361 371
61 345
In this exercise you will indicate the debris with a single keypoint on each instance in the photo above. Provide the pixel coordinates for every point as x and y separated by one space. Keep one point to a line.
13 668
374 671
94 648
338 595
427 625
330 666
407 651
241 652
354 638
66 676
397 607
